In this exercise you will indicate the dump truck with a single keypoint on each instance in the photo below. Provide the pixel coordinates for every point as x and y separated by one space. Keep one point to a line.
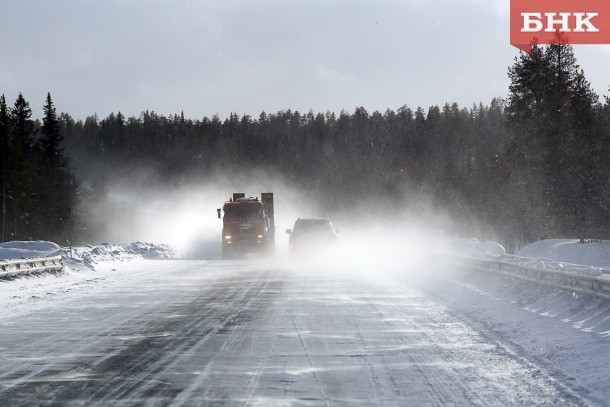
248 225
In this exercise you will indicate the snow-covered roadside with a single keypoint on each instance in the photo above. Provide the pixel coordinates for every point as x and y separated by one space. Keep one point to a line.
28 249
561 255
84 257
89 256
568 333
596 254
85 269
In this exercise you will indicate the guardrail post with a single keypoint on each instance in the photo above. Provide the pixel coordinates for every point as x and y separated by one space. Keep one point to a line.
26 266
565 280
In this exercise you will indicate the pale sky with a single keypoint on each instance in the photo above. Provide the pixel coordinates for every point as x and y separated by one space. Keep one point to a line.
217 57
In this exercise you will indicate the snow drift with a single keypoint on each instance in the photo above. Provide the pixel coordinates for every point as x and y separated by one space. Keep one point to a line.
84 256
569 251
28 250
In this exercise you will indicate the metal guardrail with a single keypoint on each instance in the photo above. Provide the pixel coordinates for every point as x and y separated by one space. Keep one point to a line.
598 286
11 268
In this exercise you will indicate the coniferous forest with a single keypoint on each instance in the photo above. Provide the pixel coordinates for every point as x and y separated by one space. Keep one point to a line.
533 165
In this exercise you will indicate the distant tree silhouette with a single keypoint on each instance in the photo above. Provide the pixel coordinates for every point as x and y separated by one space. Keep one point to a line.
5 127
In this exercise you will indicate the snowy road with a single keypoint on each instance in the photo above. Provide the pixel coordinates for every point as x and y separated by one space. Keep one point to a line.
175 332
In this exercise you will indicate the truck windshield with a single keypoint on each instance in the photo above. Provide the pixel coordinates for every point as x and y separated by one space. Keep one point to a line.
243 211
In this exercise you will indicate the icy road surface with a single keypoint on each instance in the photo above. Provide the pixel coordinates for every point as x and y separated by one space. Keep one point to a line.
175 332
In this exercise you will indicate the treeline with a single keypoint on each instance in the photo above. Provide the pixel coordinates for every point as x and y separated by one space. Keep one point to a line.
36 186
381 161
532 166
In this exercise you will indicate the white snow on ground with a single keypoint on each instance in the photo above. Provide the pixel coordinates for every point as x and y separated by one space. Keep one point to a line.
84 256
549 265
565 333
87 268
27 250
569 251
550 255
89 256
473 246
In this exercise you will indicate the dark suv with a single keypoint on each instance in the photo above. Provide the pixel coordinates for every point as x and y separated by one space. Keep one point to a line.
311 234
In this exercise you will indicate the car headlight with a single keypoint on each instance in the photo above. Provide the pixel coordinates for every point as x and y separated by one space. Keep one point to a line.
228 237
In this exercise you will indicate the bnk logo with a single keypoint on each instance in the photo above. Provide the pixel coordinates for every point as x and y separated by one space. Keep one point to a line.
539 21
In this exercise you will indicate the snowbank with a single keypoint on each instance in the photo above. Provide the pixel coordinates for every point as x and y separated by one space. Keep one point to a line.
28 250
83 256
88 256
556 255
556 266
473 246
569 251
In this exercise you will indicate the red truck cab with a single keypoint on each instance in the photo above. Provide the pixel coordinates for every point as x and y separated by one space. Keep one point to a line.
247 225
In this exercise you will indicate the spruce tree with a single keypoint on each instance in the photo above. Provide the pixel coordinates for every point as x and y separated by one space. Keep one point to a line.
550 117
23 125
5 125
52 138
55 180
22 177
